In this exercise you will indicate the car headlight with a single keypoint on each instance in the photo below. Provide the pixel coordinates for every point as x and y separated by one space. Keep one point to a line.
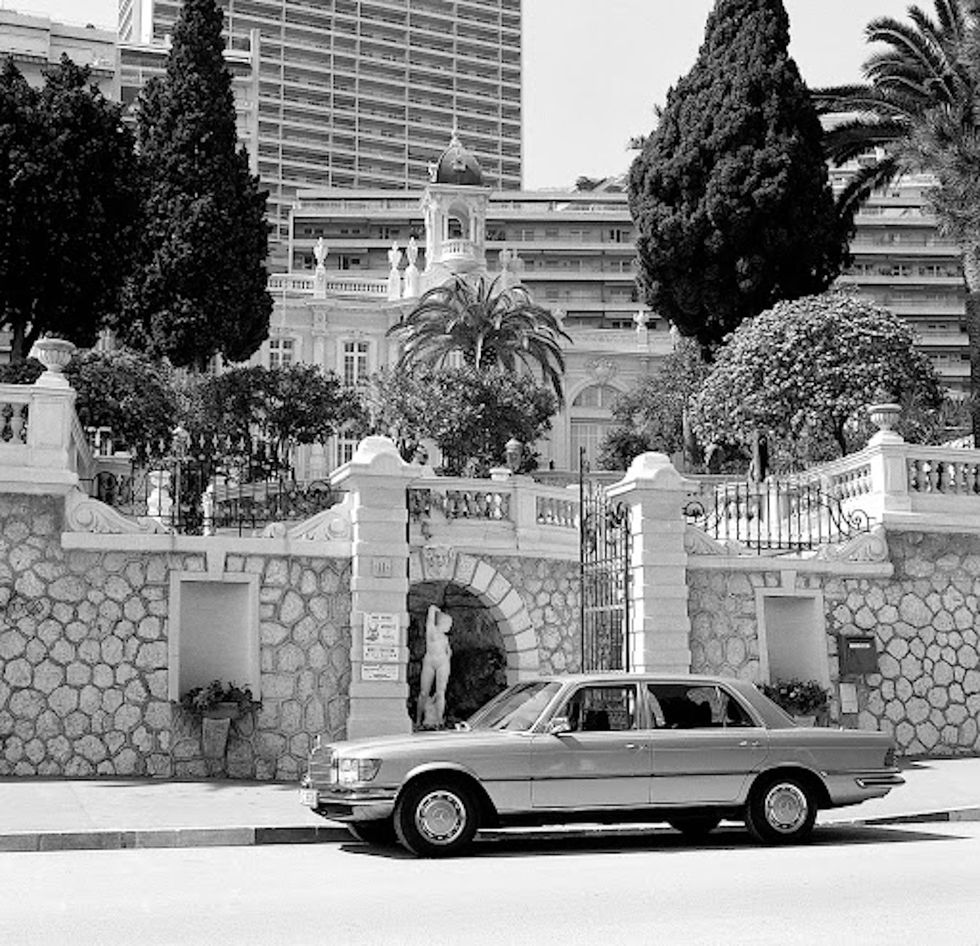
350 771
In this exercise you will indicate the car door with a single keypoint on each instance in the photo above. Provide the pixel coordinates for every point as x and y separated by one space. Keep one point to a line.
602 762
706 746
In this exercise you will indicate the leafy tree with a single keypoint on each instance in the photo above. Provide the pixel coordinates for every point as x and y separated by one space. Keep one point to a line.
919 109
128 393
730 192
68 200
805 371
201 285
489 325
468 413
651 416
282 407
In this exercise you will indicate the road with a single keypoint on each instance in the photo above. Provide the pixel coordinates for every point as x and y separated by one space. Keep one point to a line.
895 885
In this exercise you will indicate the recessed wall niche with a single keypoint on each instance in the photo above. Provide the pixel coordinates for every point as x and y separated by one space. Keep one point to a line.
214 632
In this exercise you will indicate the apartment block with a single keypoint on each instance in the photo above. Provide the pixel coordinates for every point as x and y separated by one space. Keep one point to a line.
360 93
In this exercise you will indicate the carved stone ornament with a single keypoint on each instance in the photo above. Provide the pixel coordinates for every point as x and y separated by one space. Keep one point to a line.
601 369
438 563
864 547
84 514
698 542
331 525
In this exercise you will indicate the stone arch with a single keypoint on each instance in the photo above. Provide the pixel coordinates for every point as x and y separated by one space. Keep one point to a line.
494 592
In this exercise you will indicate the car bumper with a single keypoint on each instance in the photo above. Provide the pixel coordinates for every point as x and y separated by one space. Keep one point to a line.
852 787
349 804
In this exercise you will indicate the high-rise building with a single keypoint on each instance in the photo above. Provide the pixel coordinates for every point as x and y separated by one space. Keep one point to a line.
361 93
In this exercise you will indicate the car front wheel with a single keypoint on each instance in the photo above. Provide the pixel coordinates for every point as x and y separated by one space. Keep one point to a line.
373 832
781 810
436 818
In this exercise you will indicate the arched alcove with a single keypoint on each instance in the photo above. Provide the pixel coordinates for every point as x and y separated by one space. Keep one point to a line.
479 661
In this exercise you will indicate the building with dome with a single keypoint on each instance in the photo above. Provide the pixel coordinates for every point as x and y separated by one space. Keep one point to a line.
362 258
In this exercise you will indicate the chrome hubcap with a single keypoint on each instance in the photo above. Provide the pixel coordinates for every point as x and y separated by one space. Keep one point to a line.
440 817
786 807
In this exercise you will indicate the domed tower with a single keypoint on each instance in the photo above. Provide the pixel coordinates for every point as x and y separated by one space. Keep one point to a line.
455 209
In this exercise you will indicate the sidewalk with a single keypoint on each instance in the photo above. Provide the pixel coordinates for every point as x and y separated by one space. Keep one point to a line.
66 814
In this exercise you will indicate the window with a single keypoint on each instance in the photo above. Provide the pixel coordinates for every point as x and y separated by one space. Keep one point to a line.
682 706
281 352
602 709
355 362
346 445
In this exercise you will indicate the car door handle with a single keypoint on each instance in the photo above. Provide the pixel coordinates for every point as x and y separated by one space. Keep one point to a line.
635 745
755 743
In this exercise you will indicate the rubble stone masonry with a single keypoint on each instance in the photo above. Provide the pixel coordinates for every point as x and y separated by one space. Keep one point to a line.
84 657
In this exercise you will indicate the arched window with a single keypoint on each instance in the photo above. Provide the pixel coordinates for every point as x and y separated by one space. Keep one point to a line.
590 420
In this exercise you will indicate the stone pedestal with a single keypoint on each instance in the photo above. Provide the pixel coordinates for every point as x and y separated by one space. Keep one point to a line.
376 479
655 491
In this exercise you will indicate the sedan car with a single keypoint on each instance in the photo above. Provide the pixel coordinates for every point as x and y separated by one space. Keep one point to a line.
615 747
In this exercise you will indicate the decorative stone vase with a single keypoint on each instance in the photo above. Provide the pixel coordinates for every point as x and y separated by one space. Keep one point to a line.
228 710
885 416
54 354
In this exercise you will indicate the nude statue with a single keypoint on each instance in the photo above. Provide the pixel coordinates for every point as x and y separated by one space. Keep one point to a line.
431 707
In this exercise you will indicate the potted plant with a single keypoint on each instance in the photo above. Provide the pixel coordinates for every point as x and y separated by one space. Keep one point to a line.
216 705
805 700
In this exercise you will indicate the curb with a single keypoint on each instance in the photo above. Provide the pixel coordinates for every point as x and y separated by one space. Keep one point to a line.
112 840
117 840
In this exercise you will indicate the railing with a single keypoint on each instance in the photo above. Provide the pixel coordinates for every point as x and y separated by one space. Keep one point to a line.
505 514
15 403
306 284
192 497
775 515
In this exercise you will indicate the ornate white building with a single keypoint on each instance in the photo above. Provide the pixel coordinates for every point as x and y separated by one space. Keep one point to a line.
336 313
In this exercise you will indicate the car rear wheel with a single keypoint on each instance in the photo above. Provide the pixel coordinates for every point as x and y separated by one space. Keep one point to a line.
781 810
695 827
374 832
436 818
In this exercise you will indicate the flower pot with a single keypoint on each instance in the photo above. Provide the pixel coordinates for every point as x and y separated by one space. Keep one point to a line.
222 711
214 736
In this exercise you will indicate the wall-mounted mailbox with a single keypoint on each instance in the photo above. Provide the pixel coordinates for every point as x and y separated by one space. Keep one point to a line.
857 653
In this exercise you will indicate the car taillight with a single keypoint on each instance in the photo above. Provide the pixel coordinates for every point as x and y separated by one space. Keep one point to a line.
890 759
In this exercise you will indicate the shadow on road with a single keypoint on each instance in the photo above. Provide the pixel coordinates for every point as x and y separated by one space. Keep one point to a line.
500 844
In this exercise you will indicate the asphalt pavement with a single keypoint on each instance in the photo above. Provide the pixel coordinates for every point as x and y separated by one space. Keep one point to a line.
103 814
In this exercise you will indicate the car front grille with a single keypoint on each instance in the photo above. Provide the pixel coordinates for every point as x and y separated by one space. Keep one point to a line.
323 766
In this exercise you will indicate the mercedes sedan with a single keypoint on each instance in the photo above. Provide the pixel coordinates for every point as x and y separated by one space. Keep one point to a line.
602 748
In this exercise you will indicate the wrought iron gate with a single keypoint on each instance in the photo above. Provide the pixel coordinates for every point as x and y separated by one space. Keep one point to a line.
604 569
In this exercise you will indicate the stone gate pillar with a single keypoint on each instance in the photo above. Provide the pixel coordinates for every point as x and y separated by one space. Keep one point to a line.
661 627
376 479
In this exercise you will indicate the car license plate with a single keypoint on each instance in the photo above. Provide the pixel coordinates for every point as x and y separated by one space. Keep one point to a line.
309 797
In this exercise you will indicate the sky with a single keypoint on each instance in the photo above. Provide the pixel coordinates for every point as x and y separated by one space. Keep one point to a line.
595 69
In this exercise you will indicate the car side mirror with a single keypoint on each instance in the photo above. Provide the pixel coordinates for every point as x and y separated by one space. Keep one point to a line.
559 725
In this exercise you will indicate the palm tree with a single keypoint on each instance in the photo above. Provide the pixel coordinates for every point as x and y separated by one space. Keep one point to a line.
919 110
488 325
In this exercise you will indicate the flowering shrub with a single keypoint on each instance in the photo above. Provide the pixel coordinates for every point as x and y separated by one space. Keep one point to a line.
797 697
197 701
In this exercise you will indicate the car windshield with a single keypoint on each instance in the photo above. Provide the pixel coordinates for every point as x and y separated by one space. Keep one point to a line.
517 708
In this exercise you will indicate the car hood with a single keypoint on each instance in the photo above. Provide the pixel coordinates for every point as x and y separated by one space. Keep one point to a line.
425 743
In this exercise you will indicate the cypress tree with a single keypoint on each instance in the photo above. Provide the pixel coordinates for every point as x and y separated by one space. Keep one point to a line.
200 288
730 192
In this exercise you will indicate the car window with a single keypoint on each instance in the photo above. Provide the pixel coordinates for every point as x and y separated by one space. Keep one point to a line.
602 708
517 708
683 706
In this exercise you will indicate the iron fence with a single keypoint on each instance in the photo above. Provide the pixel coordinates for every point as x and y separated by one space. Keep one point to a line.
204 493
775 515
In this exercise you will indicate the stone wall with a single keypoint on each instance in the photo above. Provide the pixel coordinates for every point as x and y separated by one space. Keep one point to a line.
550 590
84 675
924 620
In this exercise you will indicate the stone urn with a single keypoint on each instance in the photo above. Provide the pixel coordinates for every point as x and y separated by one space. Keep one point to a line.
54 354
885 416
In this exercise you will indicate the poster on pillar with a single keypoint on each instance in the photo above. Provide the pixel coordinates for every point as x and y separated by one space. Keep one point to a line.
381 638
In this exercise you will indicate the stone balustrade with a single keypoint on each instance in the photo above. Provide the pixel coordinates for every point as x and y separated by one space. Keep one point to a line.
302 284
494 514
